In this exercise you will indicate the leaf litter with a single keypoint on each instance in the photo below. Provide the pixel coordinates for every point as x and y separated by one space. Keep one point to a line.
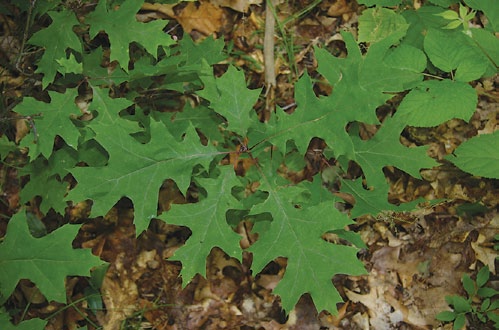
414 258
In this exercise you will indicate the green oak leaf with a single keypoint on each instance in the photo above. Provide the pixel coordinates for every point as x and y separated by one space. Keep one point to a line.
46 179
209 49
69 65
295 233
45 261
201 117
6 147
385 149
50 119
361 84
207 221
229 97
136 170
98 75
122 28
55 39
373 201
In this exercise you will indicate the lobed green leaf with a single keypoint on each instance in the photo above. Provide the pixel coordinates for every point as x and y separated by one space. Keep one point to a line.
45 261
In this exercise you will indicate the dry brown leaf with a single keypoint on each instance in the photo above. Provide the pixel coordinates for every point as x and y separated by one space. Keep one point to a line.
204 18
485 253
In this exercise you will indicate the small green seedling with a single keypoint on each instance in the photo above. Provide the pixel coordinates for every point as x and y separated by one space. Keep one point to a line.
464 17
476 291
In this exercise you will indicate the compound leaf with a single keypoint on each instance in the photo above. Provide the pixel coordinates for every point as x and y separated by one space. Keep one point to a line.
45 261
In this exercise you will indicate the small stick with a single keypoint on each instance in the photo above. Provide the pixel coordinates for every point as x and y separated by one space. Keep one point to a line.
268 57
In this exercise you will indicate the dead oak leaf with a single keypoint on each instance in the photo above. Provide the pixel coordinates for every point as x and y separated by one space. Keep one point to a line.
205 18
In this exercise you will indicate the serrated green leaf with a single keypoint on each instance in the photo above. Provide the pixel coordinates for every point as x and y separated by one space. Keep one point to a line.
295 233
406 57
122 28
55 39
449 50
45 261
378 23
231 99
207 221
478 156
55 119
489 45
434 102
469 285
446 316
420 21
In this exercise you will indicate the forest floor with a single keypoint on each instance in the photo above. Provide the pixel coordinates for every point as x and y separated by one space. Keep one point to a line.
414 259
